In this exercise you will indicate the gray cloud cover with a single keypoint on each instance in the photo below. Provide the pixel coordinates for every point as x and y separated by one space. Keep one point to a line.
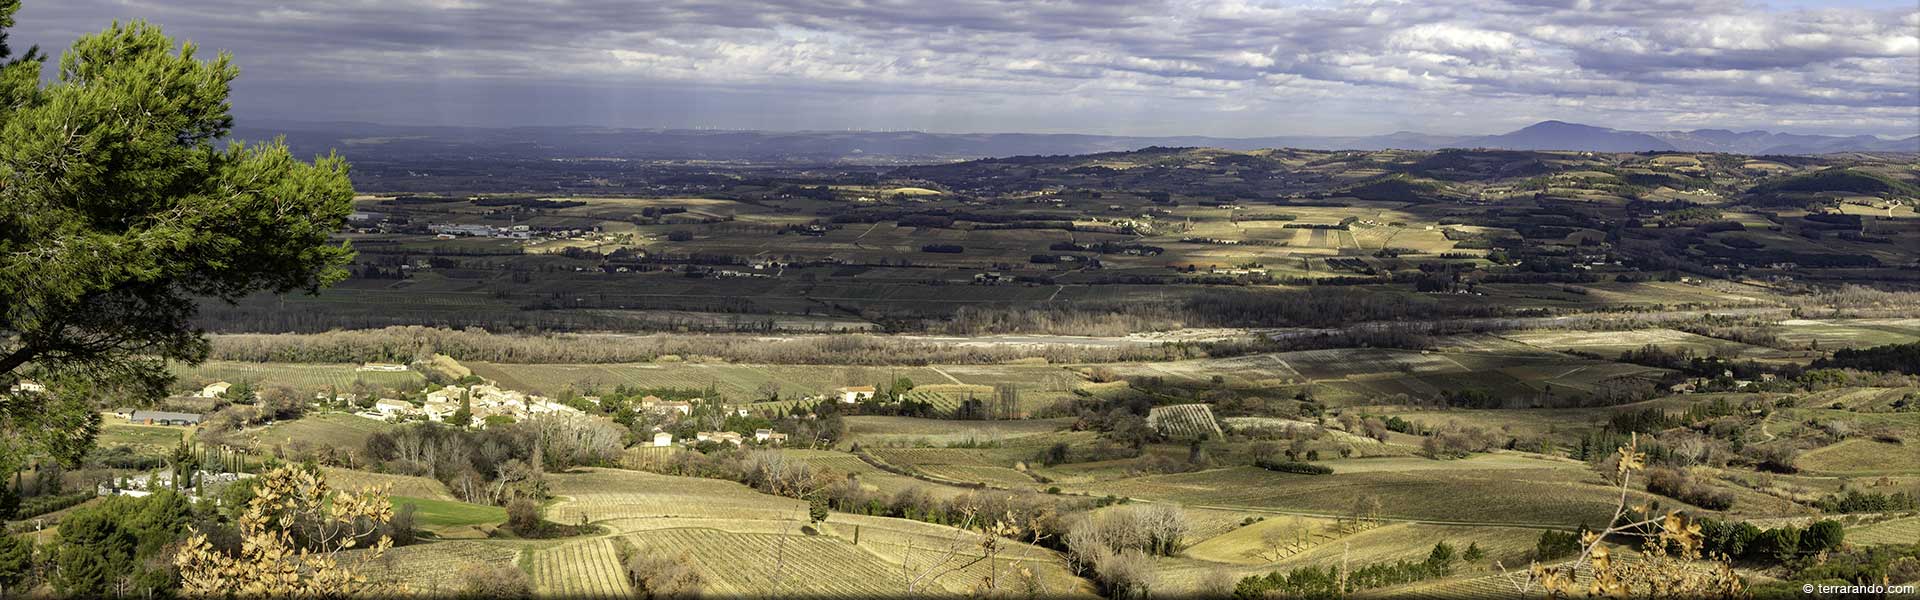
1230 67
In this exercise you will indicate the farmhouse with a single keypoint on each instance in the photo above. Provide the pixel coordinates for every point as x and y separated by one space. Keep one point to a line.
684 408
155 417
137 486
439 411
769 436
382 368
446 394
856 393
29 387
386 408
719 436
662 439
215 389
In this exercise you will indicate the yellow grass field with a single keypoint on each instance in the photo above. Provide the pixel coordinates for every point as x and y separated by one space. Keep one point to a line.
1897 531
434 569
397 485
1862 457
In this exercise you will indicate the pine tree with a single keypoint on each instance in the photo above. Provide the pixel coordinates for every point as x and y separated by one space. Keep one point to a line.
122 211
9 501
463 416
16 561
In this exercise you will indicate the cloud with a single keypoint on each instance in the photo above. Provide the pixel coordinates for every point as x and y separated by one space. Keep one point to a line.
1118 66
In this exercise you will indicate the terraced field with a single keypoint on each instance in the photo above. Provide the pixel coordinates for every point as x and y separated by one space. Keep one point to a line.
587 568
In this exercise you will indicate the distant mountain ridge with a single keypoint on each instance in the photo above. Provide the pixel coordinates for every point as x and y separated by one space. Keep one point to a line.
397 141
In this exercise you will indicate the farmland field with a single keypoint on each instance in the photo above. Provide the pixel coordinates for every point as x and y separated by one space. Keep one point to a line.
302 377
744 564
632 498
115 431
587 568
338 430
869 476
994 476
425 488
882 431
1610 343
1443 331
434 568
1411 541
735 382
1184 421
1862 457
1559 497
449 513
1850 333
1897 531
1247 545
1354 375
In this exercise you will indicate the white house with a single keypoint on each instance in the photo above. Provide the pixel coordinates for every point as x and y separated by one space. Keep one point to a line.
439 411
215 389
388 407
684 408
856 393
446 394
662 439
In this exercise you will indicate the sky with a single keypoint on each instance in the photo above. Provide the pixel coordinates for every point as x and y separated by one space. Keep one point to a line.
1235 68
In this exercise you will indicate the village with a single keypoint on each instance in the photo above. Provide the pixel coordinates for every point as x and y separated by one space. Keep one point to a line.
479 404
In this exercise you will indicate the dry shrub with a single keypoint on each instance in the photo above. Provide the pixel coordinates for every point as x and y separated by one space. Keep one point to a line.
662 577
1681 485
492 580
